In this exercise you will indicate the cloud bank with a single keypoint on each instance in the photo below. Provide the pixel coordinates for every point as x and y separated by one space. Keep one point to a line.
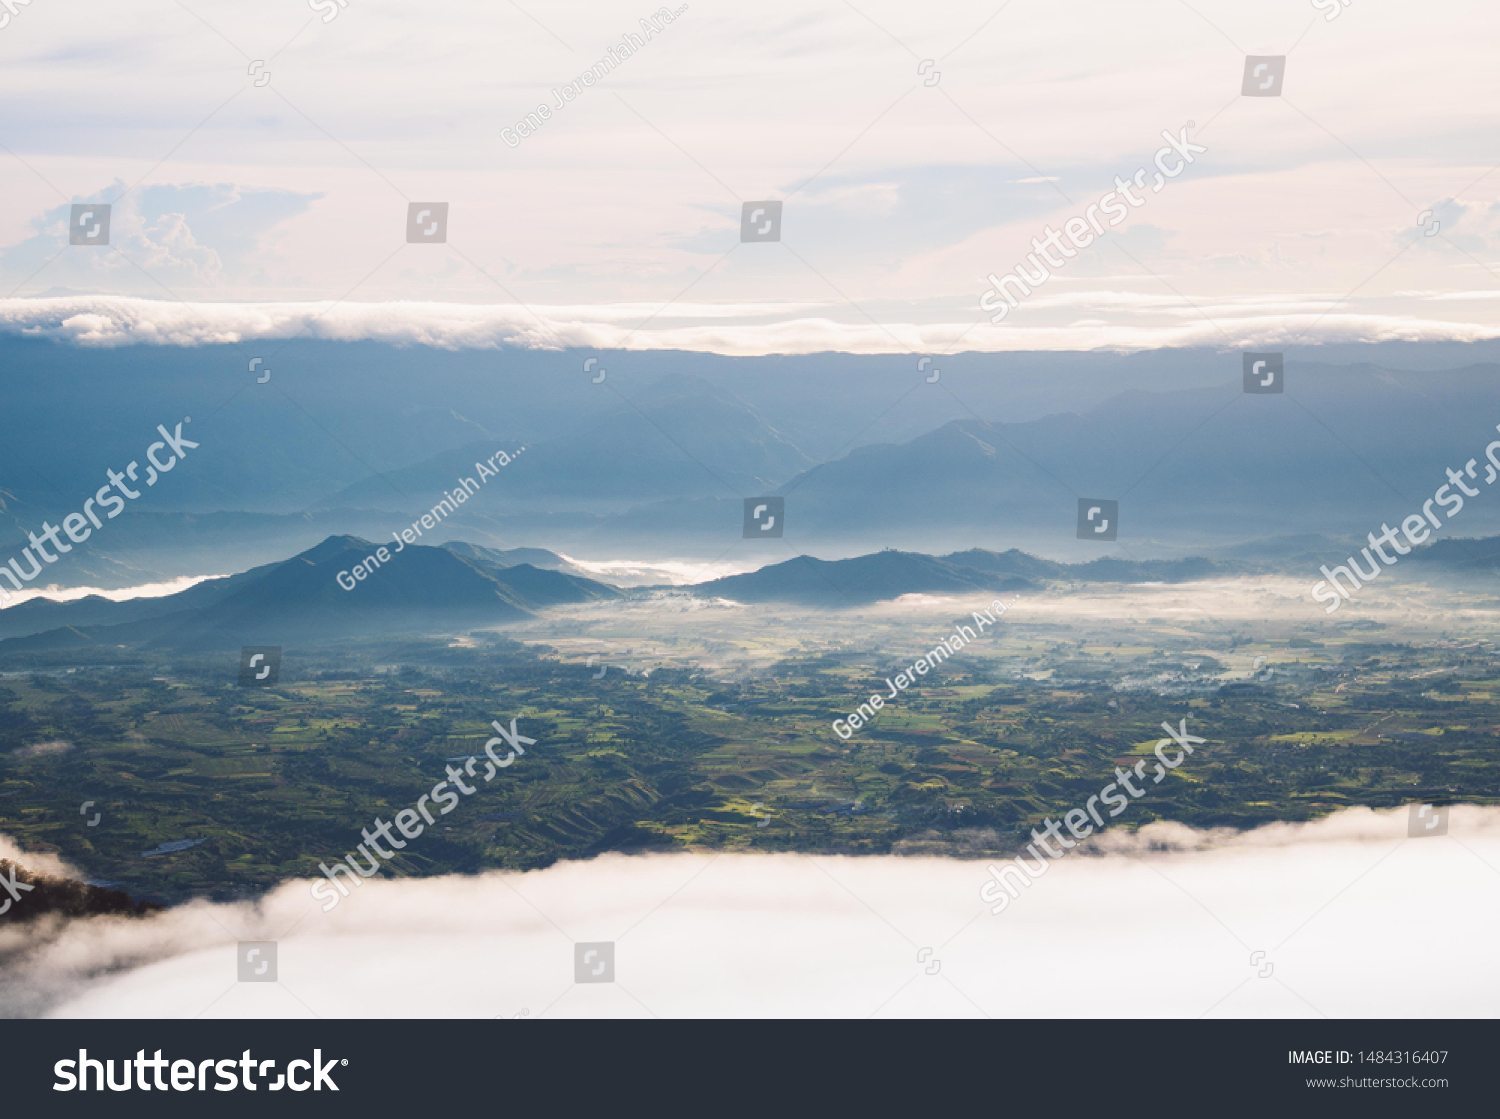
111 320
1354 918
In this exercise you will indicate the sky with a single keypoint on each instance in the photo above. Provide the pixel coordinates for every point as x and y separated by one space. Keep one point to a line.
1284 921
915 151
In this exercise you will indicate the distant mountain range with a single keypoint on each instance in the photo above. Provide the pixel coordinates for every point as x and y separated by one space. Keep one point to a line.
1463 554
654 460
459 585
681 436
417 589
333 414
1344 448
890 574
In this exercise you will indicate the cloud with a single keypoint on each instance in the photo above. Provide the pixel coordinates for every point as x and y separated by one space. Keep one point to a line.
44 749
900 212
653 572
37 861
1163 927
106 320
895 190
170 248
1472 227
115 594
180 234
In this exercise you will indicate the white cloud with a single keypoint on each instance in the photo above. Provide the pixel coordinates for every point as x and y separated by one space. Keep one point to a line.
118 594
899 196
45 749
170 249
1357 921
655 572
1256 320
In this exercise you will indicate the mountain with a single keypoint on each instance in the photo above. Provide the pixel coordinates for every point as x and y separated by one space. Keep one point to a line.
419 588
855 582
1340 450
501 558
661 453
335 413
681 436
424 588
881 576
1013 562
1462 554
1341 446
889 574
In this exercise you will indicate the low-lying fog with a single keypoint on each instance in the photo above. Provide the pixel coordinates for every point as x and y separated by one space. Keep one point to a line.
119 594
676 628
1353 919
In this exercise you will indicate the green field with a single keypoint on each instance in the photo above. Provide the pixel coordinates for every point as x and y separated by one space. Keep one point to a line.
691 756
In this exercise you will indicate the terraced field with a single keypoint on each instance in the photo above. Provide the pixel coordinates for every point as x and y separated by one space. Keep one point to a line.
276 780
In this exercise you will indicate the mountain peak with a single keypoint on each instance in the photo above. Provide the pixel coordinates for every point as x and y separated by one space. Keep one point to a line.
333 546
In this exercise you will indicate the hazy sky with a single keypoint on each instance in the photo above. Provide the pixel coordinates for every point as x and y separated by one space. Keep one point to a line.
899 196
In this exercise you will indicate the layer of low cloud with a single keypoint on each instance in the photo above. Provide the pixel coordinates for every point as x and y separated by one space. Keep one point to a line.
625 573
107 321
115 594
48 748
1353 918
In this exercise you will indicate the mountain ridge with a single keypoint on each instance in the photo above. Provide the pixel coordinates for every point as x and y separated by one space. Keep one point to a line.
458 584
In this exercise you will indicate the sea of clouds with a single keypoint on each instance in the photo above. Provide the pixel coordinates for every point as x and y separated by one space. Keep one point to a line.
105 320
1342 917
